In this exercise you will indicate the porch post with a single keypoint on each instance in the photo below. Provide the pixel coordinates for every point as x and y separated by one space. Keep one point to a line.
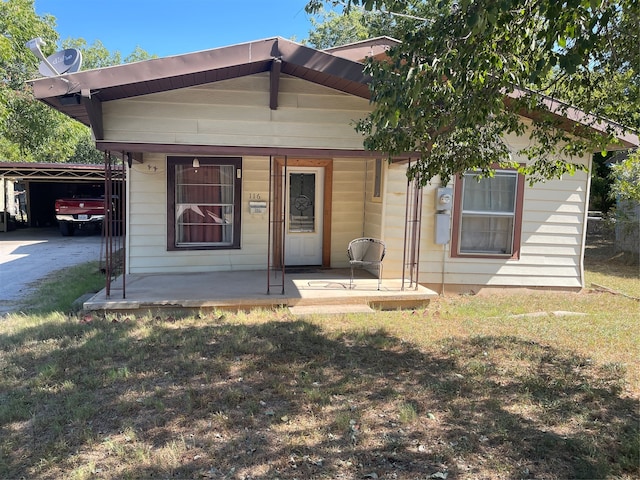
106 228
122 220
412 232
277 216
5 225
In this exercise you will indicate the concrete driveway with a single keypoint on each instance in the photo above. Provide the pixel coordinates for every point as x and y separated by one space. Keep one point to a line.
29 255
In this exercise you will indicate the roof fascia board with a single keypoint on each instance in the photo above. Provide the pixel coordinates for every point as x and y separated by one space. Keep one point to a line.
320 61
381 40
155 69
359 51
570 116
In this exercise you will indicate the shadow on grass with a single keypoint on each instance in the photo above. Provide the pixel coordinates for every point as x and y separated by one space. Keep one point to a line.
285 399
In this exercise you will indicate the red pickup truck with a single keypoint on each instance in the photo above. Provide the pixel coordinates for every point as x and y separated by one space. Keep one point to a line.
79 213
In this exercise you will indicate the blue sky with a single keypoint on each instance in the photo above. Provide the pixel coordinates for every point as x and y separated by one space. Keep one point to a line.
168 27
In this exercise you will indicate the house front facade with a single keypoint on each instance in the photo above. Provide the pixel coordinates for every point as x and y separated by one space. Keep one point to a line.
246 158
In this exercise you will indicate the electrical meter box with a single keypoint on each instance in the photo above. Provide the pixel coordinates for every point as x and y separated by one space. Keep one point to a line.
444 198
444 203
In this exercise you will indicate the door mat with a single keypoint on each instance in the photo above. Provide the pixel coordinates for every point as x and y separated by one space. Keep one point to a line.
301 269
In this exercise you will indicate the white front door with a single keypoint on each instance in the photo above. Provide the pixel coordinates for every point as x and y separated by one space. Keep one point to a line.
305 207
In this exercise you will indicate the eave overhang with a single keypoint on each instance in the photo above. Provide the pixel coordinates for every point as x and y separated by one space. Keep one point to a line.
80 95
69 93
574 120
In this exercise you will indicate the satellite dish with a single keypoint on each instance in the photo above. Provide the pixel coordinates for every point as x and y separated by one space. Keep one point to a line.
64 61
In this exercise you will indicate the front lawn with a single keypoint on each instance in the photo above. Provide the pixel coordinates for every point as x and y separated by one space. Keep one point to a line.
491 386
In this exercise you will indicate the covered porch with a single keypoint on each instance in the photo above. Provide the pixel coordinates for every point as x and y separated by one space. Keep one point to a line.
312 291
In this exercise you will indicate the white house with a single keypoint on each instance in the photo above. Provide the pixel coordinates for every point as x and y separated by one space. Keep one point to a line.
245 157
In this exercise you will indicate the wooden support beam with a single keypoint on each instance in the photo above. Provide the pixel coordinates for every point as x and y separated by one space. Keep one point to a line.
93 106
274 77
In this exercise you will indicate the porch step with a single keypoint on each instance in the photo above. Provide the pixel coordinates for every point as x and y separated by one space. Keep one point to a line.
330 309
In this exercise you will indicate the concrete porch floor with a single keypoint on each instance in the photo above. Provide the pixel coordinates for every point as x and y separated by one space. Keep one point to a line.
242 290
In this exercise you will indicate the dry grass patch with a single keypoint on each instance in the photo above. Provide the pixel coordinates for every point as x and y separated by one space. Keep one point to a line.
448 390
470 387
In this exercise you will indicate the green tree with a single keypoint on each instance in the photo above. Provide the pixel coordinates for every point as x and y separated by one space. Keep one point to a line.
139 54
85 150
97 55
626 178
610 86
467 69
18 24
29 129
599 194
32 131
24 122
332 29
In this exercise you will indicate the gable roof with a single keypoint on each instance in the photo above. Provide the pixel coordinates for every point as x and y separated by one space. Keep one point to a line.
79 94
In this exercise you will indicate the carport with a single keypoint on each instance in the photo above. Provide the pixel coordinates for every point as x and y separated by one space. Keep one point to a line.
28 190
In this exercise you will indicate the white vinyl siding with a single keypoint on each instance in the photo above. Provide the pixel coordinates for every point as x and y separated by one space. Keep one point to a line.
148 223
374 206
551 243
236 113
347 207
394 212
148 219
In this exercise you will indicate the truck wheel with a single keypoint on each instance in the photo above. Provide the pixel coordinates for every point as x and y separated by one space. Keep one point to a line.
66 229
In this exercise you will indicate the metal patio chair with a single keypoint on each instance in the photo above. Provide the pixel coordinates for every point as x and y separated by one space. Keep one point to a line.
366 252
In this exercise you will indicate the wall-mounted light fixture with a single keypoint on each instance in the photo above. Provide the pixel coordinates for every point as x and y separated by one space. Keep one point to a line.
196 164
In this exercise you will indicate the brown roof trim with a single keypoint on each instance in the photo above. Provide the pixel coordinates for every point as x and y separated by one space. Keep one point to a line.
174 69
358 51
163 74
573 119
274 83
93 107
170 148
299 59
69 93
